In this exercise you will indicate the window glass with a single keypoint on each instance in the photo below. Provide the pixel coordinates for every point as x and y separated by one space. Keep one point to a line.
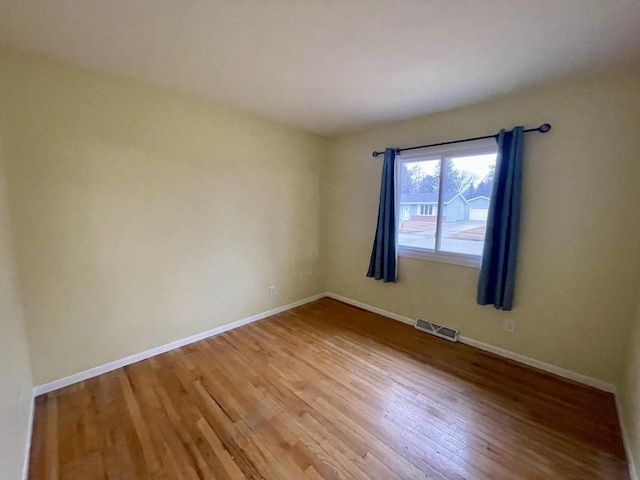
458 223
467 186
419 183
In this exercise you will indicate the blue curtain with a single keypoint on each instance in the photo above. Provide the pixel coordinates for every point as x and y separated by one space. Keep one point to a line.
498 270
383 255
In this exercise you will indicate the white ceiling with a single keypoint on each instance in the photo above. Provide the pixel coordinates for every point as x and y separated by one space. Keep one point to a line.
330 65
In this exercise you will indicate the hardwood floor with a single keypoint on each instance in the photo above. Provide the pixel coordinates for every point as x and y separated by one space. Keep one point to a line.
326 391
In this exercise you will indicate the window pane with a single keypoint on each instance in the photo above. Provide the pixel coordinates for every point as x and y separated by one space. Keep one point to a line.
418 210
467 192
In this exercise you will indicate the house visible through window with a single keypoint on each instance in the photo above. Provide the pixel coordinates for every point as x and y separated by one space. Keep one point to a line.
444 195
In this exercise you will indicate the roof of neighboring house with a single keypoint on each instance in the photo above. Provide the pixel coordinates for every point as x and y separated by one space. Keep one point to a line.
480 197
431 197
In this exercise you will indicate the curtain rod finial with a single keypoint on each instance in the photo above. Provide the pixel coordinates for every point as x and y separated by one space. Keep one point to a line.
544 128
375 154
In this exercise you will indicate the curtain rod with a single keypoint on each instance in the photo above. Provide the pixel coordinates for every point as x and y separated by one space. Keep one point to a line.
544 128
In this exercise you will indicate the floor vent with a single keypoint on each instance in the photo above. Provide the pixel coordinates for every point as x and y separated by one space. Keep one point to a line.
437 330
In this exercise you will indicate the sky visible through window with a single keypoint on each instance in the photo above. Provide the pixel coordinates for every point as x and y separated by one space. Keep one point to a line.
479 165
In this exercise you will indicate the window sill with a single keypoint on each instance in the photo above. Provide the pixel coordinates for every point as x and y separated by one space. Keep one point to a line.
471 261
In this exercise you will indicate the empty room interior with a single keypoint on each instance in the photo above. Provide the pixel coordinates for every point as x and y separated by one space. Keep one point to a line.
299 239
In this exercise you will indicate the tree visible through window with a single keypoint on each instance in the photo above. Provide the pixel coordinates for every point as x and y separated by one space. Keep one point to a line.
451 221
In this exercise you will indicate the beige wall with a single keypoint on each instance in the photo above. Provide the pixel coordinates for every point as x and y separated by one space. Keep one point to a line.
15 375
629 394
580 223
142 217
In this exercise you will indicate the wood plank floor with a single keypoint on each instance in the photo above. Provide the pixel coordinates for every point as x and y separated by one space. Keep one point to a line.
326 391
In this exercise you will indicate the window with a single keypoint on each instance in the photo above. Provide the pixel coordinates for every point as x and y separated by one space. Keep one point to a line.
427 209
451 187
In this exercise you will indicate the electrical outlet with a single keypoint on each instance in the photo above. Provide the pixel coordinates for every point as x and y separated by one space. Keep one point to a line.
509 325
273 291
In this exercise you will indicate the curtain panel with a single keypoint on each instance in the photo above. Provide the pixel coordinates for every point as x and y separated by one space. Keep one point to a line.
498 269
384 258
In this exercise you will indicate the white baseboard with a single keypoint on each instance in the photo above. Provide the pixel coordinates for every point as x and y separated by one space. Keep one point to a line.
123 362
27 451
93 372
561 372
547 367
625 439
371 308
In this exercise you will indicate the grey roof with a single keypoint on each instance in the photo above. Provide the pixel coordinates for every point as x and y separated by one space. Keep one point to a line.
430 197
479 197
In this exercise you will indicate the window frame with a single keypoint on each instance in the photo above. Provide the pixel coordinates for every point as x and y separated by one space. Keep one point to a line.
445 152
